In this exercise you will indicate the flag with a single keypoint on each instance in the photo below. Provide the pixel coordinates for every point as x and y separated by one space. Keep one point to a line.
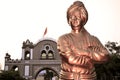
45 32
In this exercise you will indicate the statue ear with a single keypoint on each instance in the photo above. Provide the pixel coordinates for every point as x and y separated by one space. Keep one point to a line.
69 22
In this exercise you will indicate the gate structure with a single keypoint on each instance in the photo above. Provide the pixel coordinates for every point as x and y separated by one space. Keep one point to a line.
40 61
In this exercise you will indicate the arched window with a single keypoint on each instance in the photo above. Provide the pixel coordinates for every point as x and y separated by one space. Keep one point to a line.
50 54
47 47
15 68
43 54
27 55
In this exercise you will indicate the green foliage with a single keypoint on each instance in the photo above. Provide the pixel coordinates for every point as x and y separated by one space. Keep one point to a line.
111 69
10 75
108 70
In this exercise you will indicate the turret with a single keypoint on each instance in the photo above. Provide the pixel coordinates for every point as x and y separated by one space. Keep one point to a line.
7 57
27 50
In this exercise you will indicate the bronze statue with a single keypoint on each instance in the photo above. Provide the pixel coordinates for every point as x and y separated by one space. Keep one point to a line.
79 50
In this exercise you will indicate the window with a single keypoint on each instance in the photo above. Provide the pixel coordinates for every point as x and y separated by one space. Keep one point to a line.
43 55
47 47
15 68
50 55
26 70
6 68
27 55
47 52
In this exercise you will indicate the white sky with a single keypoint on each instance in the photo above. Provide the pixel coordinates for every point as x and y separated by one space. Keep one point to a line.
27 19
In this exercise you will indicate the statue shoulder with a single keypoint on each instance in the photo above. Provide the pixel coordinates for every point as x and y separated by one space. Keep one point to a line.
64 37
94 37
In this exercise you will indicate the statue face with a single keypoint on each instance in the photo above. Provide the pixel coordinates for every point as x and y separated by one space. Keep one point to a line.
75 20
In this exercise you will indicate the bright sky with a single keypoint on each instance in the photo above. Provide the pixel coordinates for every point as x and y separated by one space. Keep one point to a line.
27 19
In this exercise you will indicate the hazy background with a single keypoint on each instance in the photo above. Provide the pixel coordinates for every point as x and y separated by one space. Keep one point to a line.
27 19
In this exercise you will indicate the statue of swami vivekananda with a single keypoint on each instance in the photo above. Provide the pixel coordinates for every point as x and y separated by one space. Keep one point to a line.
79 50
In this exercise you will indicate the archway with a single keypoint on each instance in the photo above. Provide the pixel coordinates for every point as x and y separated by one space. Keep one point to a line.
15 68
47 74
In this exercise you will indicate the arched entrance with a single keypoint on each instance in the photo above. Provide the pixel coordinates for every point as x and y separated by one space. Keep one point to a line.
47 74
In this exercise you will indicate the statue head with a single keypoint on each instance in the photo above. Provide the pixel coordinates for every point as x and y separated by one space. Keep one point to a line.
76 7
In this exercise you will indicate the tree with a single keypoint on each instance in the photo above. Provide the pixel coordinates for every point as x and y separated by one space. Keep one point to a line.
10 75
111 69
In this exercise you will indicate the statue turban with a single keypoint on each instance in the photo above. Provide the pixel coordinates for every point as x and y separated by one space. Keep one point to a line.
79 6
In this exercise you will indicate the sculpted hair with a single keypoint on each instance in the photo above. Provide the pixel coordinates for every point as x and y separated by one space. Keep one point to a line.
79 6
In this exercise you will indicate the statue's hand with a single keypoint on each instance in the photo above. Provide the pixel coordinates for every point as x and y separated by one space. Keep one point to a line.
89 63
